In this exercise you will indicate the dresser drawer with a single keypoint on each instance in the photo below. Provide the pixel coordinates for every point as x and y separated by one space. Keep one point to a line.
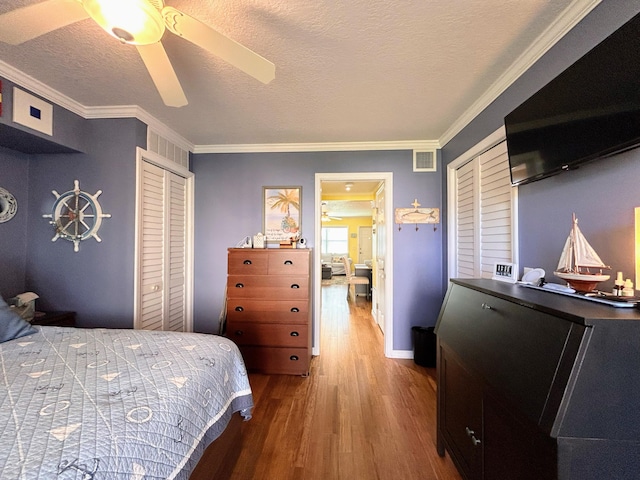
247 261
273 335
270 311
284 360
289 262
283 287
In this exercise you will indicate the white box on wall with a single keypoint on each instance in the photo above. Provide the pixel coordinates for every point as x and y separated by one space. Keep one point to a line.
32 112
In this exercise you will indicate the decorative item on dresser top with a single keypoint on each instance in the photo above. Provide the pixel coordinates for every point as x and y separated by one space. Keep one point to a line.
269 308
533 385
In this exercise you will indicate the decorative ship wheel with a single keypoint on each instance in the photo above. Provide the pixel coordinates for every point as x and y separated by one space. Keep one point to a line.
77 215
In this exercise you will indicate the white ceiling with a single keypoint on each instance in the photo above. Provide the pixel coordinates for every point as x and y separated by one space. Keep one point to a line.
346 71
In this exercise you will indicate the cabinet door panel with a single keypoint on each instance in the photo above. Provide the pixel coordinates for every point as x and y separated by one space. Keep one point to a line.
461 412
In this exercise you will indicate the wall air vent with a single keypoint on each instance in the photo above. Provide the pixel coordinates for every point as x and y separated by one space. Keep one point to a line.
424 160
167 149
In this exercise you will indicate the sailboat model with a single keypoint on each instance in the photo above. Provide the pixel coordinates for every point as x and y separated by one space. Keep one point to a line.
577 258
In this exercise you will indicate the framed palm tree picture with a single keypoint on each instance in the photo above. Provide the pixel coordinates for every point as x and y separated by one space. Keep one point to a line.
281 214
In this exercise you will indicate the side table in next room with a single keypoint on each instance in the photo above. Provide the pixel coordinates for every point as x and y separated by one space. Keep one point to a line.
58 319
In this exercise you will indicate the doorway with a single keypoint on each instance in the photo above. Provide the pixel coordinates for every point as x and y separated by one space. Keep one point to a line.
382 311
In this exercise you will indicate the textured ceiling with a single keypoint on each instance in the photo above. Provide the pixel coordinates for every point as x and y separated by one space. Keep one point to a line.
354 71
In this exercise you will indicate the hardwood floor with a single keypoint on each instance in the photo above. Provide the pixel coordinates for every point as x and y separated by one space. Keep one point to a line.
358 415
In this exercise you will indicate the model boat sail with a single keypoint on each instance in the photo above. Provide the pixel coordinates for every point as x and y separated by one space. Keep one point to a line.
576 261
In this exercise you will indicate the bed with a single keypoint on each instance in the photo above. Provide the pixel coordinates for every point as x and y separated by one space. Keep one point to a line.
110 404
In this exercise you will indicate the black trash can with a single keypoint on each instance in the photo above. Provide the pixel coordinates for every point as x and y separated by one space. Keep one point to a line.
424 346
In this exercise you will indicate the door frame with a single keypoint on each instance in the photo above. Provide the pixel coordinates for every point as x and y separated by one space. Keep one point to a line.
387 179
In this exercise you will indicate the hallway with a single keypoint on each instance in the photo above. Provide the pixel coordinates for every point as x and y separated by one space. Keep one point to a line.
358 415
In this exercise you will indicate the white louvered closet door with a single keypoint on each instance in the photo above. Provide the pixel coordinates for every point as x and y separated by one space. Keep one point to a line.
485 214
162 256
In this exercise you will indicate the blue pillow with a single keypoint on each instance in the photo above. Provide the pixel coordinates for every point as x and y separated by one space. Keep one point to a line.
12 325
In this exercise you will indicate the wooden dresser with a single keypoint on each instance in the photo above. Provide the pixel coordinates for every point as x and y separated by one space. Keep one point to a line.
534 385
269 308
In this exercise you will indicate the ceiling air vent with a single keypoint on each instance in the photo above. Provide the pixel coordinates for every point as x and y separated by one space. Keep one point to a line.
163 147
424 160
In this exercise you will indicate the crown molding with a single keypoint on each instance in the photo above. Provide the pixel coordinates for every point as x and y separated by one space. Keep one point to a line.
36 87
571 16
319 147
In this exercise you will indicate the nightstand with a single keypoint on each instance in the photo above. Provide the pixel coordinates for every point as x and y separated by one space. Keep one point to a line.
59 319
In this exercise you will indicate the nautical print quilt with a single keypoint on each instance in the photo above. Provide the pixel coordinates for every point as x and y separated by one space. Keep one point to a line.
115 404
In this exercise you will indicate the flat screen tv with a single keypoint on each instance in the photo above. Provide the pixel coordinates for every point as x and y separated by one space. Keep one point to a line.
589 111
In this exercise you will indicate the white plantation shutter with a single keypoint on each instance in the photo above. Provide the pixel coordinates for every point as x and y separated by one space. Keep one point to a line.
484 214
495 209
162 256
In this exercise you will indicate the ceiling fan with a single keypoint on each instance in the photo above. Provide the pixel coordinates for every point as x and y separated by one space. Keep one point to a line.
325 217
136 22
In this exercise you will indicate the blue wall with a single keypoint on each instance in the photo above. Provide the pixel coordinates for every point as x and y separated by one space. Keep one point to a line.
229 207
97 281
603 194
13 246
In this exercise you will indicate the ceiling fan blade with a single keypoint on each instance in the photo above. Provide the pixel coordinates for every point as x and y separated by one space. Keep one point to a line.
229 50
157 62
32 21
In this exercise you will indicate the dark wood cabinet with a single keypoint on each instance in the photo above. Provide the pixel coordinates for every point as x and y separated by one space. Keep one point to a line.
535 385
59 319
269 308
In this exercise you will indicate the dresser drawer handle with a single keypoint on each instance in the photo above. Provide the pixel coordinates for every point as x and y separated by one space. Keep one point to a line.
239 309
486 306
288 262
295 310
239 285
295 285
239 333
294 358
247 262
294 334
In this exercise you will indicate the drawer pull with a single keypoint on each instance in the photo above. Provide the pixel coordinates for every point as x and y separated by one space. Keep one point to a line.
247 262
295 285
294 358
486 306
294 334
239 309
239 285
295 310
288 262
239 333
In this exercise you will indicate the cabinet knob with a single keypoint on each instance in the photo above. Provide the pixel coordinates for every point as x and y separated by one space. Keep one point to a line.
239 285
239 309
294 334
288 262
486 306
472 435
295 310
295 285
239 333
294 358
247 262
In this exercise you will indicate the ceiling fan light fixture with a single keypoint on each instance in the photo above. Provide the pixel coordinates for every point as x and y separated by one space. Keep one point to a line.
136 22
